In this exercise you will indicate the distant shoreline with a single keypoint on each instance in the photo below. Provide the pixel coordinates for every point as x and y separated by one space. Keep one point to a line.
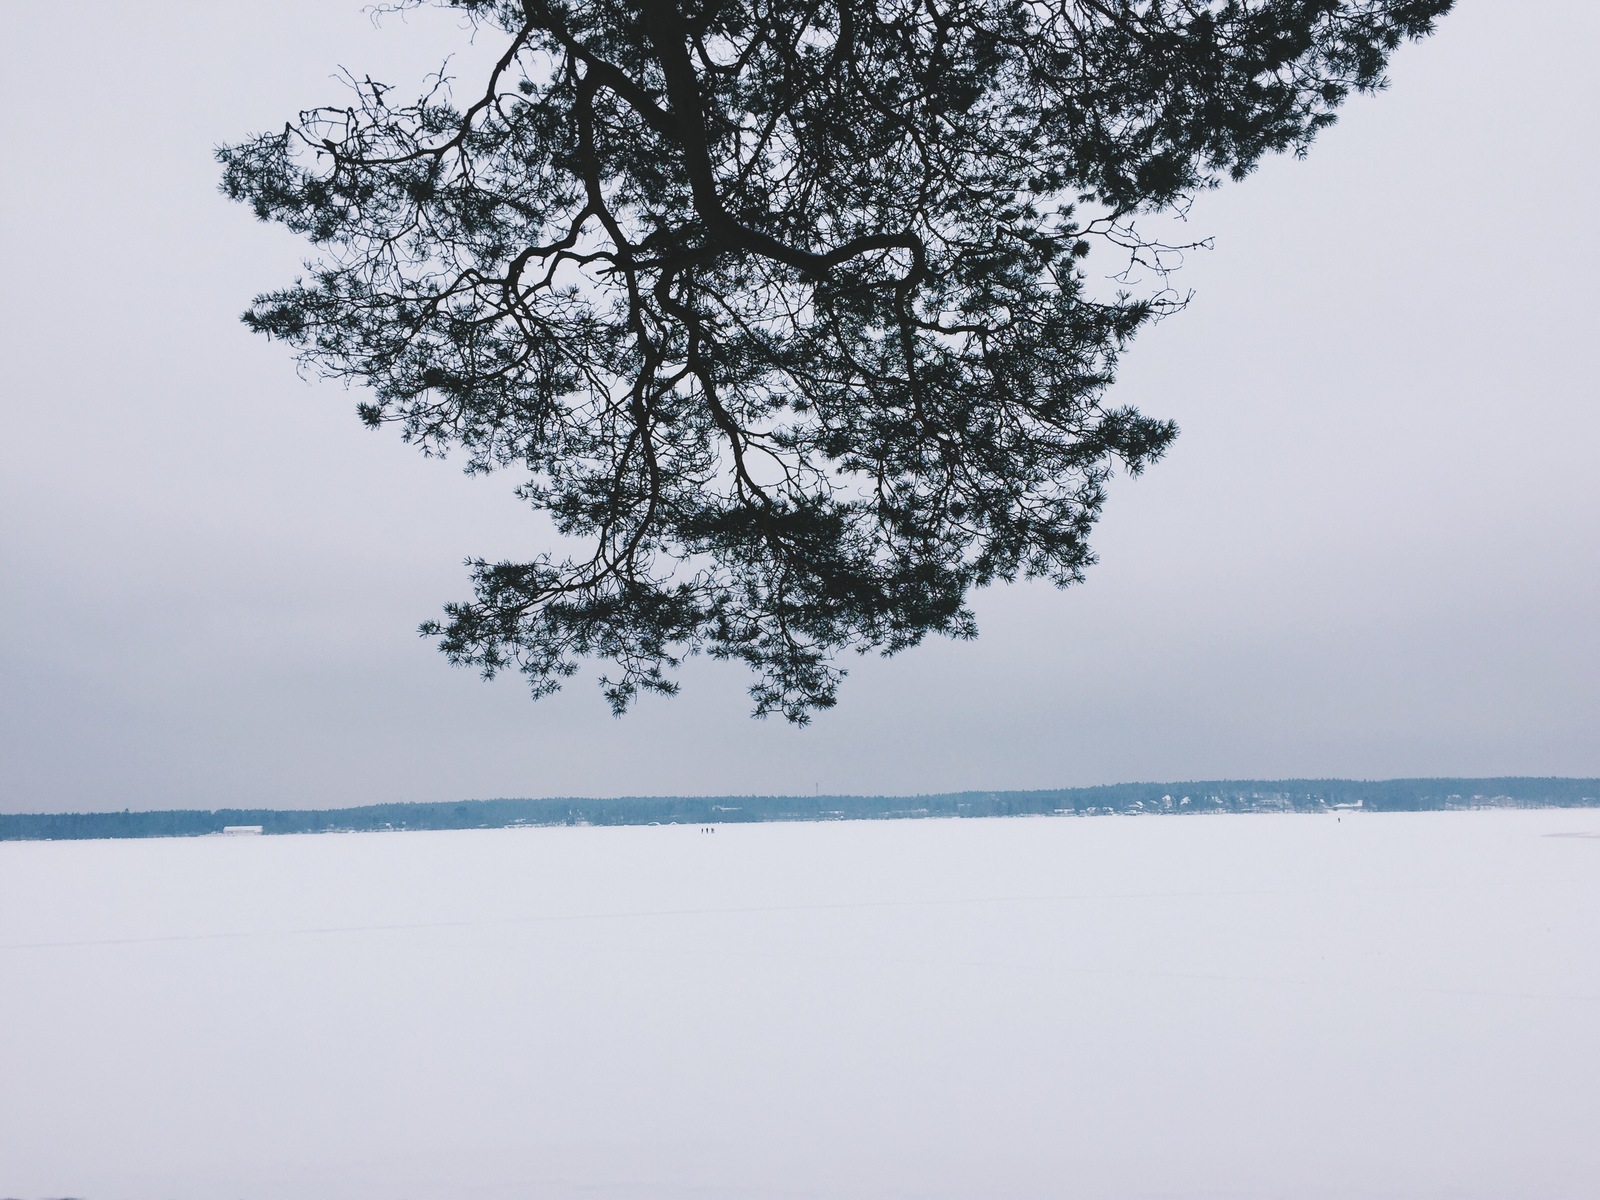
1207 796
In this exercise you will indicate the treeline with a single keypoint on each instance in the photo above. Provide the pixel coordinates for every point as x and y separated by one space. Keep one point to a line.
1284 795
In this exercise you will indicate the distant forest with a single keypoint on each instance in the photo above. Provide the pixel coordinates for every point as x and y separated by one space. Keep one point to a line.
1231 796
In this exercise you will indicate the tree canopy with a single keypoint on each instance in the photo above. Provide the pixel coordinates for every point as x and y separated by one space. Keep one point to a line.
780 307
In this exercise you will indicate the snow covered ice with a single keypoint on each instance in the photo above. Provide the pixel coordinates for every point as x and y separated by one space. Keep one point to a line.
1383 1005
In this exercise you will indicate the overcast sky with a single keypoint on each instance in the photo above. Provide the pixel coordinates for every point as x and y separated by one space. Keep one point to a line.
1374 551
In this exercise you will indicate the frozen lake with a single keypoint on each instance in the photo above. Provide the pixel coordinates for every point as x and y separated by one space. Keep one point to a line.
1401 1005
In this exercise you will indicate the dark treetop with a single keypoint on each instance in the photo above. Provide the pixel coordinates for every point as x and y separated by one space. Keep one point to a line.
780 307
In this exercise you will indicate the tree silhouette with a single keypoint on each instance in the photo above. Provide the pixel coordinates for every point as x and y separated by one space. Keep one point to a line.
780 305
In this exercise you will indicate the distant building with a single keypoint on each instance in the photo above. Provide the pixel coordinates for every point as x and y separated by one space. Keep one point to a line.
241 830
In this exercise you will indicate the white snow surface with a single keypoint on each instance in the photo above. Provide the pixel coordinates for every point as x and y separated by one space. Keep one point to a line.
1383 1005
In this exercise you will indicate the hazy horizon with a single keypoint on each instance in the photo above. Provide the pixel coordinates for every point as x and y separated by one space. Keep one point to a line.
1176 785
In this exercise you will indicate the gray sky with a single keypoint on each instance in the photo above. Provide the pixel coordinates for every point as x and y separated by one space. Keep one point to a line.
1374 551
